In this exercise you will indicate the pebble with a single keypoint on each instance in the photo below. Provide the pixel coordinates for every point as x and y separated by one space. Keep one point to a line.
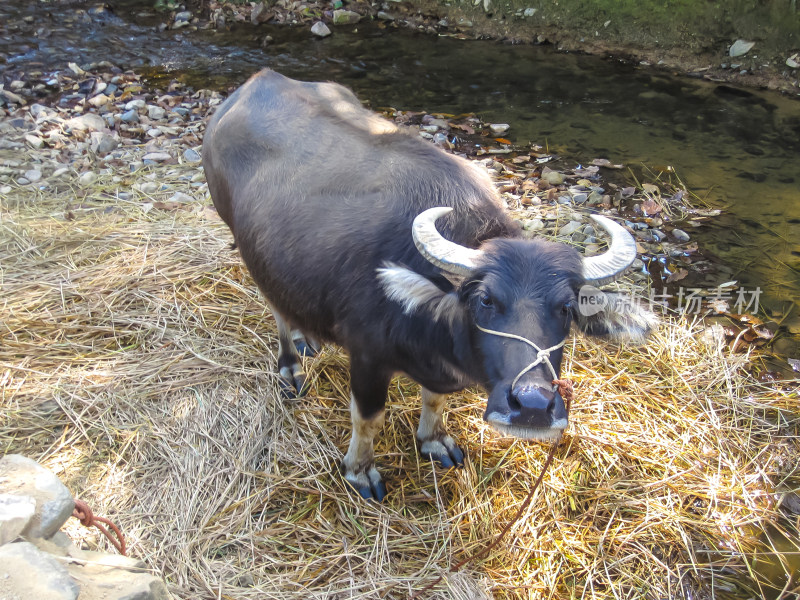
86 122
570 228
33 175
130 116
157 156
60 171
320 29
579 198
147 187
135 105
345 17
35 141
680 235
553 177
533 225
155 112
191 155
793 62
499 127
23 181
6 189
181 197
154 132
740 48
87 178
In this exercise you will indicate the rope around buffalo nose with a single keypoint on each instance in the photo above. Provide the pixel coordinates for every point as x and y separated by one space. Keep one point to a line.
565 388
542 355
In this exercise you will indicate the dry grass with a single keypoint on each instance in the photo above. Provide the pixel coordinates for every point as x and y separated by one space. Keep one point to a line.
137 362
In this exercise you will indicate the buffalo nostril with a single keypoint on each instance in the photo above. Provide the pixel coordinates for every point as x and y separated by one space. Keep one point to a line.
513 402
534 399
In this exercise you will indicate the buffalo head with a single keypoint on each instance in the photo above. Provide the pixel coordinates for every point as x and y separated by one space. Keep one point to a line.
511 310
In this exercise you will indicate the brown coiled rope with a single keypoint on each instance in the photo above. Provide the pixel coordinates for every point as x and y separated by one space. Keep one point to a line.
84 514
565 388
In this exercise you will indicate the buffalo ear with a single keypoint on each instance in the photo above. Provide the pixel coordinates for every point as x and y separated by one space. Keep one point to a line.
618 317
416 293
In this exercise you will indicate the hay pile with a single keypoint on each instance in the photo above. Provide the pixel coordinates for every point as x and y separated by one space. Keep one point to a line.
137 362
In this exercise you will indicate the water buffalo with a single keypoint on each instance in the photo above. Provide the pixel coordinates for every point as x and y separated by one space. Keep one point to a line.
335 212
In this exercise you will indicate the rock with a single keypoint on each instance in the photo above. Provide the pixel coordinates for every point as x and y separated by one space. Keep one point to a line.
499 127
184 15
23 181
533 225
27 573
109 583
33 175
135 104
6 189
384 16
553 177
59 172
155 112
320 29
528 12
157 156
102 143
740 48
191 155
680 235
154 132
570 228
181 197
87 122
793 62
88 178
579 197
35 141
99 100
345 17
148 187
130 116
15 514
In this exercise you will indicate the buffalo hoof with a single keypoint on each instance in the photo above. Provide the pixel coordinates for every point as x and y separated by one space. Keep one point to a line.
367 483
443 451
292 382
306 347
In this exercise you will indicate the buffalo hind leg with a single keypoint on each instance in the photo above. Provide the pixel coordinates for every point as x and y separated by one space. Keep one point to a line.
433 439
367 411
290 367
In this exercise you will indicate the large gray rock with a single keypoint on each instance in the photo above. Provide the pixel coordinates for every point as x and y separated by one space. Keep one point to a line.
109 583
20 476
26 573
15 514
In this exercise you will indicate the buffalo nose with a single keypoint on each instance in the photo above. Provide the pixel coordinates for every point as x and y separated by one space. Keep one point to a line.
534 406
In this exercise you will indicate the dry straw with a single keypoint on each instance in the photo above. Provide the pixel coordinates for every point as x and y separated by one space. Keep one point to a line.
137 361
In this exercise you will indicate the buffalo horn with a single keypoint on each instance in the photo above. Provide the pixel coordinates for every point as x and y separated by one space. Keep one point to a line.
448 256
619 256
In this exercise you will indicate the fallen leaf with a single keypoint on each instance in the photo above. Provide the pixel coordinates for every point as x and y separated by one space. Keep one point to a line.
651 207
677 275
649 188
502 141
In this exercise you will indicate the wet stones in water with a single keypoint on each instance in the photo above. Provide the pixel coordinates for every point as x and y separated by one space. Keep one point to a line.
680 235
345 17
320 29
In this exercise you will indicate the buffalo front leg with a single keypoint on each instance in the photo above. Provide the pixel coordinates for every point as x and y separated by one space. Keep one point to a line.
367 403
433 439
290 367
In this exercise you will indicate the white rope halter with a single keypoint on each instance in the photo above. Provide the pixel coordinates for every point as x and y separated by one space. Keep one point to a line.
542 355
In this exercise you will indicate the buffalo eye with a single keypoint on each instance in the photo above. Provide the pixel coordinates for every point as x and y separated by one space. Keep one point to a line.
566 308
486 300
